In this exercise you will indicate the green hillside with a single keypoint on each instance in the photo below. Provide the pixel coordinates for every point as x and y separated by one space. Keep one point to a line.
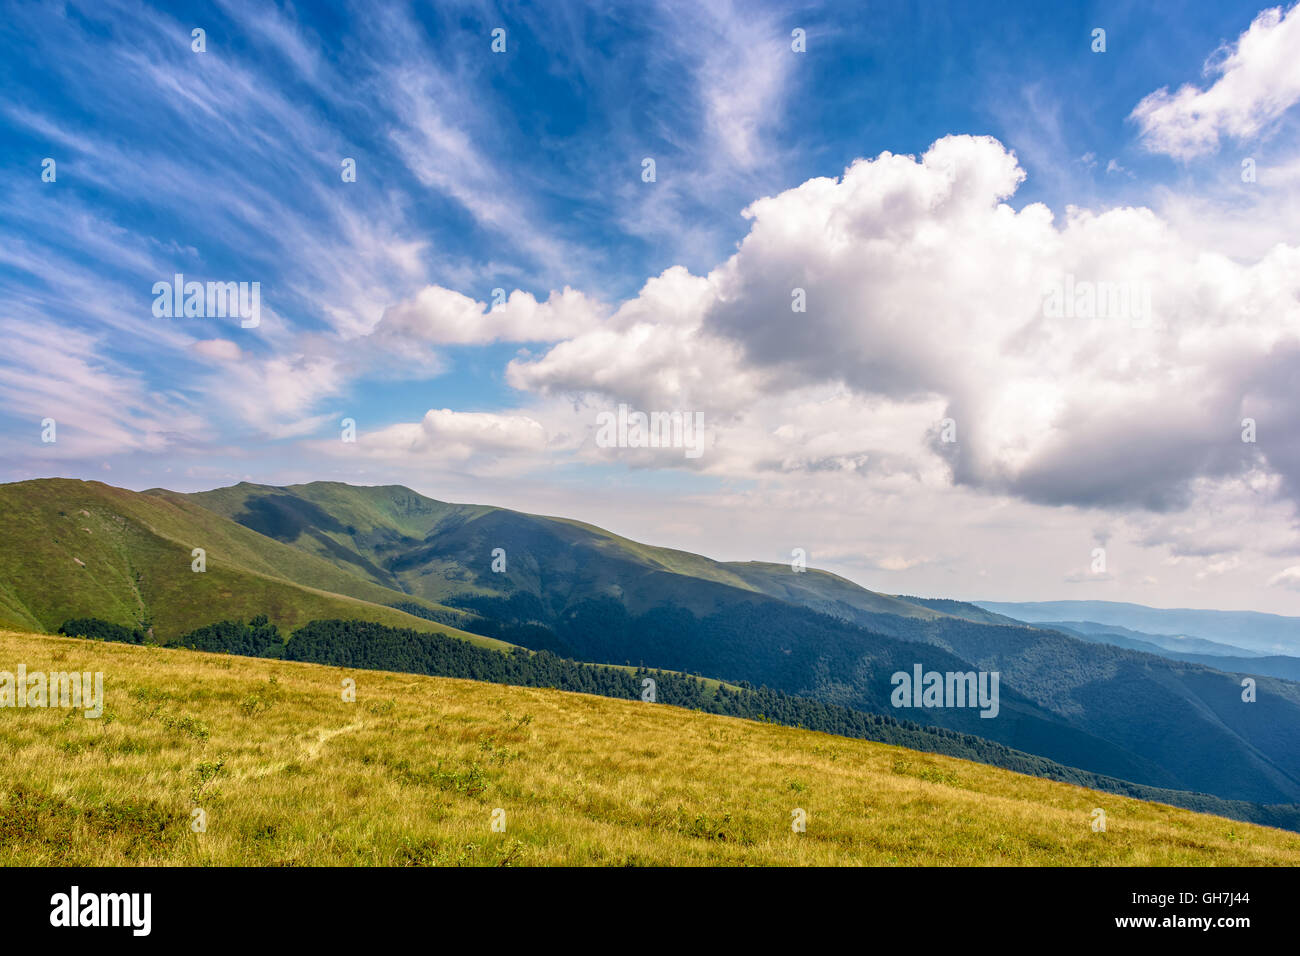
85 549
395 537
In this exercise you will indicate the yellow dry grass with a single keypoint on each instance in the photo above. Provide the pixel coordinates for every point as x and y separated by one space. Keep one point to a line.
288 773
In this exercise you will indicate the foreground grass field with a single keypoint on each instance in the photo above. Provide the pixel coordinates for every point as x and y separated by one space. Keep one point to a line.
414 772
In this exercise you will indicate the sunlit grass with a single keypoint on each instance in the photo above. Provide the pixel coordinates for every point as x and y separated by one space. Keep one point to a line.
288 773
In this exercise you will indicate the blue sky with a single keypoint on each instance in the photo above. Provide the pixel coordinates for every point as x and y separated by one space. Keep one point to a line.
522 171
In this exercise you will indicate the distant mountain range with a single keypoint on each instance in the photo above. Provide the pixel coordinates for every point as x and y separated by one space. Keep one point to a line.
1244 631
1221 657
74 549
1152 643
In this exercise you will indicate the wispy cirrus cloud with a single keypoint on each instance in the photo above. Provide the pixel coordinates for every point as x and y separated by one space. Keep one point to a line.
1257 81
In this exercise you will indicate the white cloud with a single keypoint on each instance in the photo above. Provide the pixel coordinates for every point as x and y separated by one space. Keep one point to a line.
1258 81
446 437
438 315
925 300
652 351
1288 578
277 395
220 350
744 59
99 407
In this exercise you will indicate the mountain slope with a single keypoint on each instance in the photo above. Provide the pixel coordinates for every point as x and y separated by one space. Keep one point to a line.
417 770
435 549
77 549
1188 718
1244 662
1150 643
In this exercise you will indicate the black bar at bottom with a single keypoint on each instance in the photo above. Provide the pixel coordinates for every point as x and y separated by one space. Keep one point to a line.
332 906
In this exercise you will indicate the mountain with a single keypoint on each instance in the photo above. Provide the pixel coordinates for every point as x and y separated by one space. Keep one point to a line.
387 554
1287 668
1189 718
1151 643
405 541
417 770
962 609
75 549
1251 630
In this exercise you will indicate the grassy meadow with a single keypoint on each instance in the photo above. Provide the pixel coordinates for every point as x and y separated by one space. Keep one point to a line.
414 772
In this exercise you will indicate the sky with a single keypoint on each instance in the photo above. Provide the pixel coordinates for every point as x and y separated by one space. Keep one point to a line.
976 300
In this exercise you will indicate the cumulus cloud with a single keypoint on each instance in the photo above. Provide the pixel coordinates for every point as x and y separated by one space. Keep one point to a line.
446 435
443 316
1258 81
929 297
652 351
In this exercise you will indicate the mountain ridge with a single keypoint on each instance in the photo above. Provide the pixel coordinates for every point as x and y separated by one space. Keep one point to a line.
1253 630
